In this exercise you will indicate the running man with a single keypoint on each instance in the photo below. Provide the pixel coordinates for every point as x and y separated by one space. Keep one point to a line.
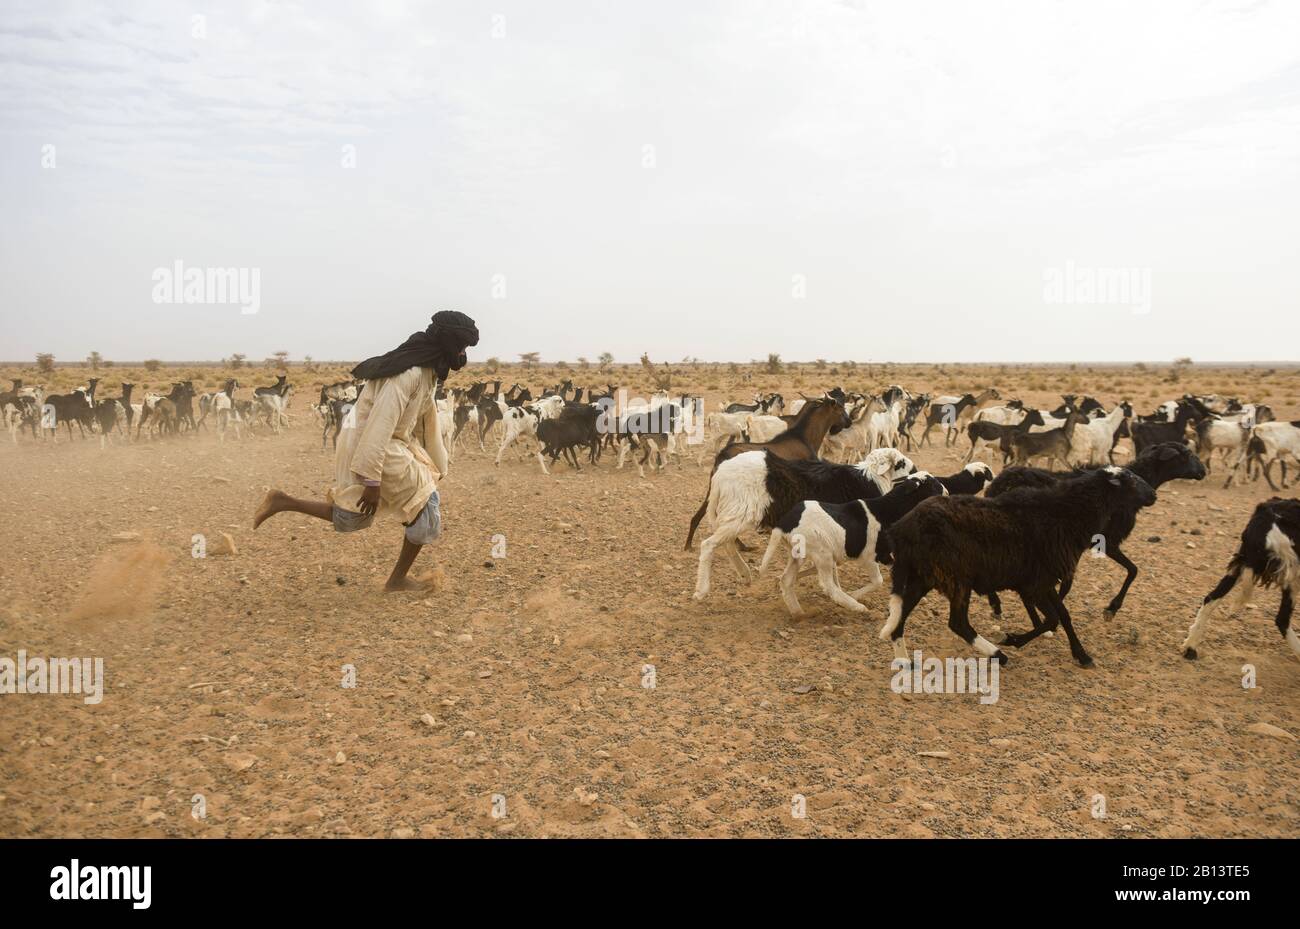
380 467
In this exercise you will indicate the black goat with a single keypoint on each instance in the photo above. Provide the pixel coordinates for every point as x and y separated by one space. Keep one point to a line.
1168 461
1027 540
68 409
982 431
573 428
1189 409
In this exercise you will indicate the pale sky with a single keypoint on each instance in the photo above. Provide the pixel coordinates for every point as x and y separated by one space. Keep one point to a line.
852 180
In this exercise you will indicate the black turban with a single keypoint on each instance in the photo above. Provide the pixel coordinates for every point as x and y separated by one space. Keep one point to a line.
441 347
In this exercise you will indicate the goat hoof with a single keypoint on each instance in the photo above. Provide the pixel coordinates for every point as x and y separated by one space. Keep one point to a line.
1189 654
1108 613
1001 656
1085 661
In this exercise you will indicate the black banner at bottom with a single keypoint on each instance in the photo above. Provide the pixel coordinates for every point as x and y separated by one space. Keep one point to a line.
144 877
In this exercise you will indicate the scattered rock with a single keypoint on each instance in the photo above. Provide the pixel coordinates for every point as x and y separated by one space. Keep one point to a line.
403 832
239 761
124 536
429 720
1000 743
1269 729
934 754
340 758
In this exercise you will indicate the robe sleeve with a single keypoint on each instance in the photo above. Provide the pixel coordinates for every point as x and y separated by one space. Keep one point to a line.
433 439
372 444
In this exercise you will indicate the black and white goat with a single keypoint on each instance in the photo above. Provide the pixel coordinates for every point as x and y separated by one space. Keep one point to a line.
755 489
969 480
1267 556
521 422
948 412
272 402
1270 442
1027 540
830 533
649 428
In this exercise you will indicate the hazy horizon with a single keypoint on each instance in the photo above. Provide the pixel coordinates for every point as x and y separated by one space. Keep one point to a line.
919 183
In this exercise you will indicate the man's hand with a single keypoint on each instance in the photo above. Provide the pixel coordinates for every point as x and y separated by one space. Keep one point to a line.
370 500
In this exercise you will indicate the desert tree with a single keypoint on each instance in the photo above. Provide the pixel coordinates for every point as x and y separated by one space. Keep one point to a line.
528 359
604 359
45 362
94 359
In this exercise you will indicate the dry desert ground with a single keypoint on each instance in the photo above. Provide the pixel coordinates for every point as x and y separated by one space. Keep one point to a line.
509 698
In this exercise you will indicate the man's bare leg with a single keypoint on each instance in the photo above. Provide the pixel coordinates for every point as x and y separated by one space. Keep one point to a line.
277 501
398 579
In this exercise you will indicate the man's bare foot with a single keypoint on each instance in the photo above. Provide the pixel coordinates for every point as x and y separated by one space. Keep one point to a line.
272 503
405 583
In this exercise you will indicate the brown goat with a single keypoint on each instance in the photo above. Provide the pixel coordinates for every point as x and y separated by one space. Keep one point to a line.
801 441
1054 444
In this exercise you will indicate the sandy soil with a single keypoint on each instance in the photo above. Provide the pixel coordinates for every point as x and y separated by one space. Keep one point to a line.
522 676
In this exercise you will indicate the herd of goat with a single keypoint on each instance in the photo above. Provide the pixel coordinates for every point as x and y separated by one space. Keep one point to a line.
1027 532
29 407
832 480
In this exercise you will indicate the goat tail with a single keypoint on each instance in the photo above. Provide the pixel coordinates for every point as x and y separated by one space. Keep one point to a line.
699 515
772 546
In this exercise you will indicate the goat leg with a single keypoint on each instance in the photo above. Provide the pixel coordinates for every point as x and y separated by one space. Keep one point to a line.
1121 559
1053 602
1242 583
1050 622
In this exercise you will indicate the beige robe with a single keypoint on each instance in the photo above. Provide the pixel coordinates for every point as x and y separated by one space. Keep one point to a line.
380 443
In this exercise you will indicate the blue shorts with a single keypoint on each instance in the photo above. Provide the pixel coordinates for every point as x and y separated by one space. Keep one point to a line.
425 528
